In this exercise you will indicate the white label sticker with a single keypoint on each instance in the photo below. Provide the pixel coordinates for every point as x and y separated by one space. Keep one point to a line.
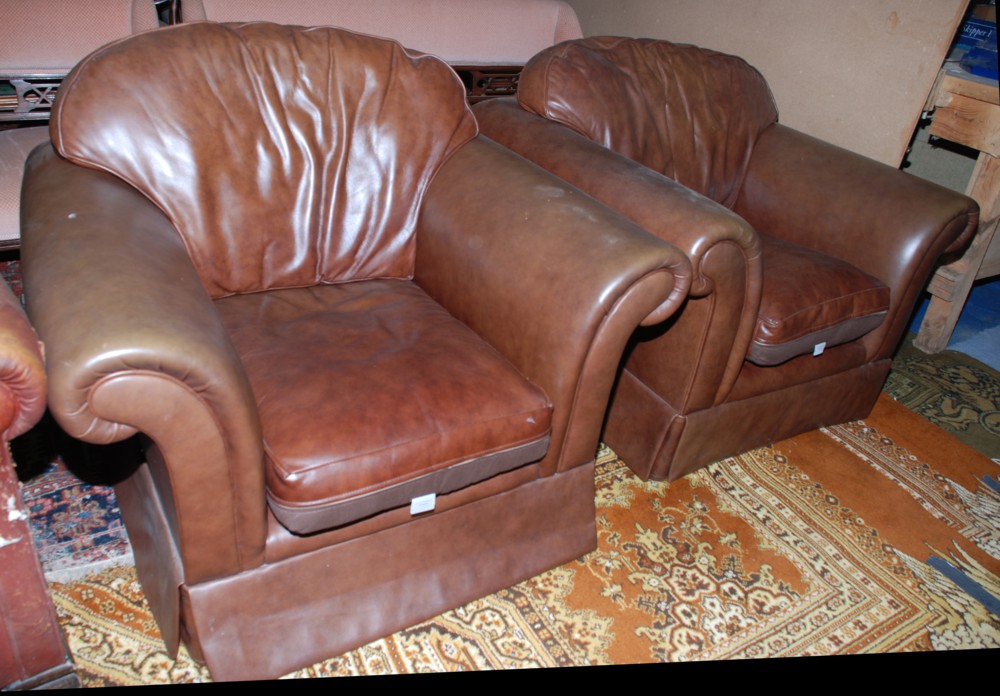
423 503
819 348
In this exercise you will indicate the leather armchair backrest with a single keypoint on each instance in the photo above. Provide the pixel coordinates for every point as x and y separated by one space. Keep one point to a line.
285 156
688 113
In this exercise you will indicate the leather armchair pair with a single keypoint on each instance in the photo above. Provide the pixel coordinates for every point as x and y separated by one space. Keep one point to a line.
807 259
370 350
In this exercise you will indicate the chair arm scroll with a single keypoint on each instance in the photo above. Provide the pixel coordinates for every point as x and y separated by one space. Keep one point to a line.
553 280
134 344
723 249
22 370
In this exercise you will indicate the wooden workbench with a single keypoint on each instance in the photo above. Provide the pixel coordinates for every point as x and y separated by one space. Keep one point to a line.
966 111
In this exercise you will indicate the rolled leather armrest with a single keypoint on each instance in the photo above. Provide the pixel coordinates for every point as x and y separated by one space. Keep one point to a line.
693 223
22 370
134 344
724 250
552 279
888 223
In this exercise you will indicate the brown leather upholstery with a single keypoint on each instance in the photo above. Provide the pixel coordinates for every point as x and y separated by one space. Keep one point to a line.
321 295
22 371
839 303
33 651
807 259
688 113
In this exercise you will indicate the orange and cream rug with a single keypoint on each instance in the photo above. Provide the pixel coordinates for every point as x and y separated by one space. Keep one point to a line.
877 536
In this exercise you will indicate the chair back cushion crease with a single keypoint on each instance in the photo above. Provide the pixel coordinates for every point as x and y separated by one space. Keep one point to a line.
369 351
688 113
324 120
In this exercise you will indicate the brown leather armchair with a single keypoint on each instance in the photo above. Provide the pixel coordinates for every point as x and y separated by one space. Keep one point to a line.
807 259
371 350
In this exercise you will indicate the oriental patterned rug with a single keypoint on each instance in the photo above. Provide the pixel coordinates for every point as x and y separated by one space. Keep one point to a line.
879 536
77 527
952 390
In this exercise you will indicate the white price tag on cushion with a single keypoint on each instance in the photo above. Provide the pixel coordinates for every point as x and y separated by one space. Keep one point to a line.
423 503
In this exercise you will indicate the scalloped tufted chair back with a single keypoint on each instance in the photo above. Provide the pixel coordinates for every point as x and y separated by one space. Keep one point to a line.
339 170
689 113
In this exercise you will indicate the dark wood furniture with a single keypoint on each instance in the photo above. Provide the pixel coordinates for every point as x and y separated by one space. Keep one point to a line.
33 652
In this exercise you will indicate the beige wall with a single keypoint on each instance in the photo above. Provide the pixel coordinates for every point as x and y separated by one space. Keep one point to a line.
853 72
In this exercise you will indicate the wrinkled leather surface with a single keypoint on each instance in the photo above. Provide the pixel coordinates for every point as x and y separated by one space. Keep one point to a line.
406 392
890 224
724 251
339 208
552 280
22 370
620 118
810 298
688 113
135 344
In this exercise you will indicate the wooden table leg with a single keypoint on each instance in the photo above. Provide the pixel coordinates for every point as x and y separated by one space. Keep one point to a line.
33 651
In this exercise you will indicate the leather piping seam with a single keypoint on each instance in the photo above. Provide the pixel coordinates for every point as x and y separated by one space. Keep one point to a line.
404 478
145 372
931 254
599 331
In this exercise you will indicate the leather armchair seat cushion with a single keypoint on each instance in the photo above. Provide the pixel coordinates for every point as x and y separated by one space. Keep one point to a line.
467 415
811 299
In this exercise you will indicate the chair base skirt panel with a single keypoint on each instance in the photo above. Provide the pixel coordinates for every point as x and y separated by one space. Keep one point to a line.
662 445
284 616
282 544
152 531
157 559
452 478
